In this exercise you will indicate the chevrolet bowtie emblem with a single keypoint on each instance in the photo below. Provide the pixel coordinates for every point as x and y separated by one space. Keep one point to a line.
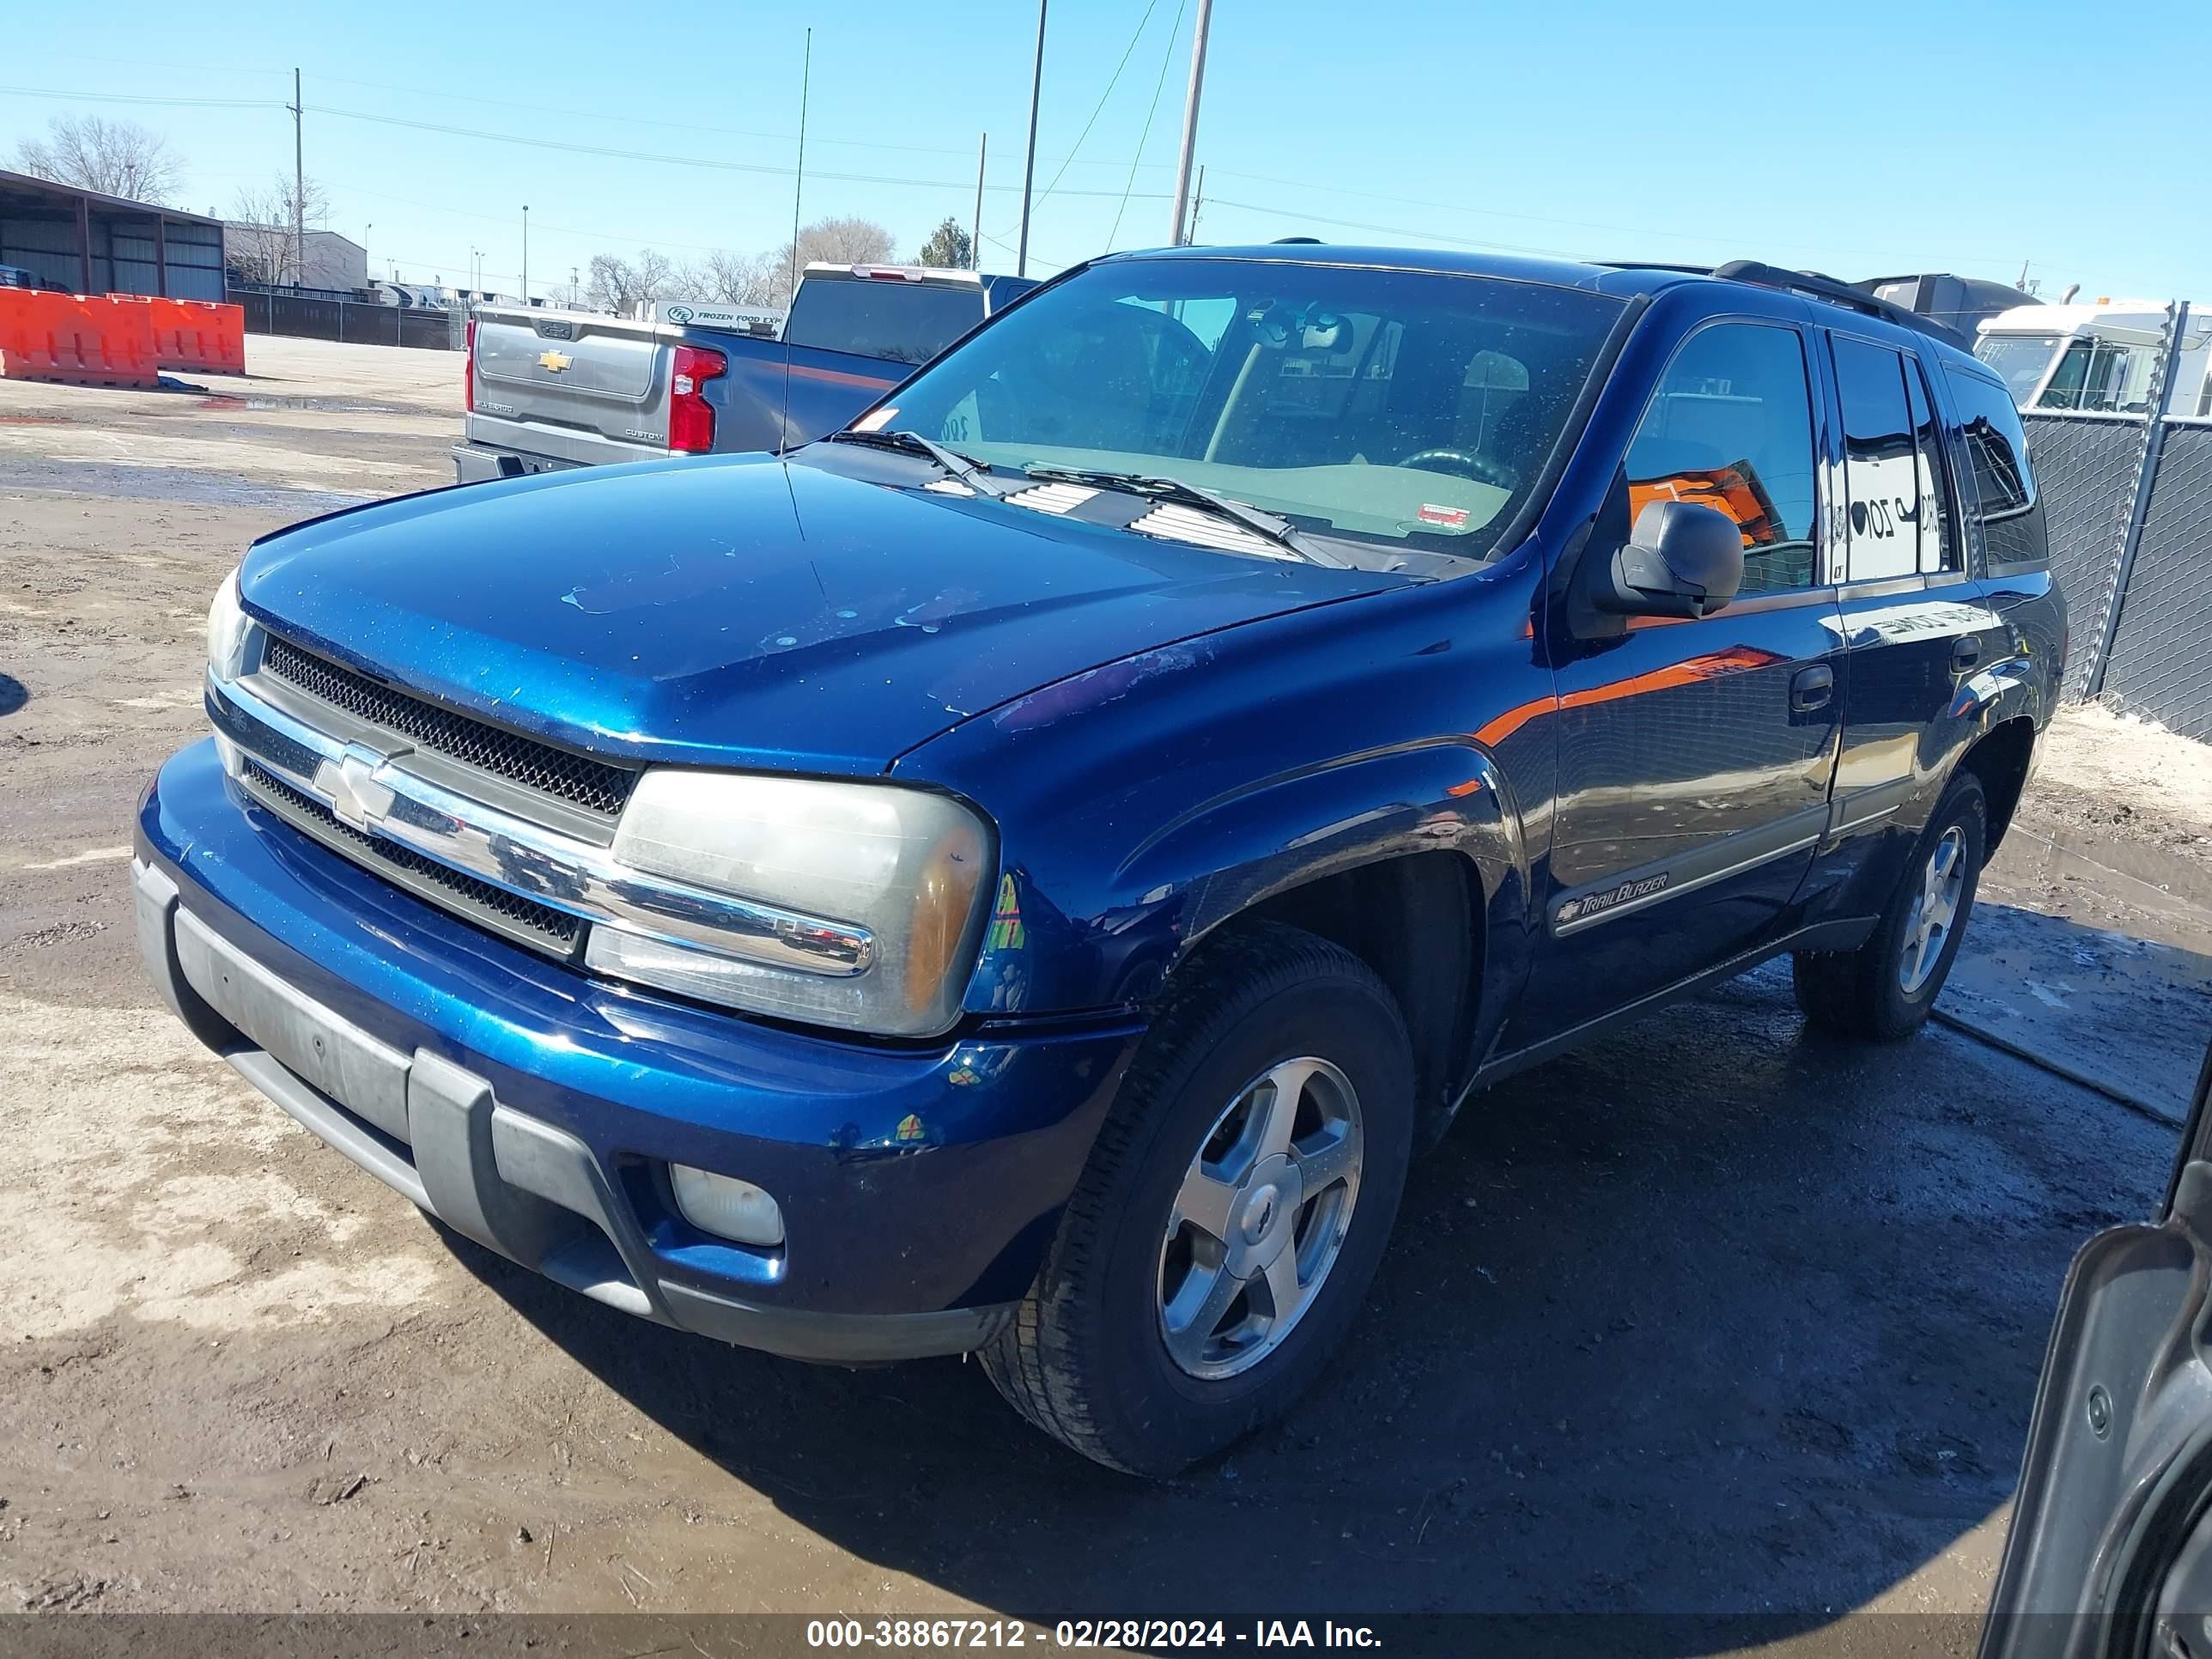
554 362
349 784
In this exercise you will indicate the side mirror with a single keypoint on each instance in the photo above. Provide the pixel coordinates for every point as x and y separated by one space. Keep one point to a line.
1681 560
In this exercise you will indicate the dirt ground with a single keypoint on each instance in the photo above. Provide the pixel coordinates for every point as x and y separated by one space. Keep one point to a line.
1714 1318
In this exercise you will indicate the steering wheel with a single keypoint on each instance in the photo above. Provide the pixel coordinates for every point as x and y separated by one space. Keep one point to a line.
1466 464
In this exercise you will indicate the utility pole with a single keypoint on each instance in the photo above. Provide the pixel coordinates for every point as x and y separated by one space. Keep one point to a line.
975 242
1028 167
298 192
525 255
1190 118
798 183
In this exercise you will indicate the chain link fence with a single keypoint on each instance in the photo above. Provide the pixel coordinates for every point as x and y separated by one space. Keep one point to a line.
2161 656
2083 467
2128 503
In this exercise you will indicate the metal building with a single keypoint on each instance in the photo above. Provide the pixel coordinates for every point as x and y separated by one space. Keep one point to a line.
88 243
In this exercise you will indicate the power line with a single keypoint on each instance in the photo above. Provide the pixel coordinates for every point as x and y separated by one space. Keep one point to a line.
1542 219
685 126
1099 109
492 103
137 97
1167 58
762 168
501 219
1009 247
1123 198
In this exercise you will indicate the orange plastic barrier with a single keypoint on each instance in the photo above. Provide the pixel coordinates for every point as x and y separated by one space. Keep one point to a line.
23 336
85 339
197 334
217 333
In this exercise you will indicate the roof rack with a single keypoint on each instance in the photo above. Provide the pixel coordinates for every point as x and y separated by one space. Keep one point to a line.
1820 287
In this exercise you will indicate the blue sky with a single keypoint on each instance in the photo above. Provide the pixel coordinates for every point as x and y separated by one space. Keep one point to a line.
1857 140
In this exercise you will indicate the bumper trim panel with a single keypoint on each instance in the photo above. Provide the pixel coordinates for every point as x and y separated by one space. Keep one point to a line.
837 1339
523 1188
337 1059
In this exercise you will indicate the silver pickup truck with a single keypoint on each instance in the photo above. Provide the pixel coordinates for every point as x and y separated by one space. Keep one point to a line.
553 389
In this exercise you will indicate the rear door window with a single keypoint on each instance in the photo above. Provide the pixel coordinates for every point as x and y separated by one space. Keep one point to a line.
1881 470
1999 484
1941 547
1731 428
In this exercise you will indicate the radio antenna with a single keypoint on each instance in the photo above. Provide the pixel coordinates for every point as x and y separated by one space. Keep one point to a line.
798 184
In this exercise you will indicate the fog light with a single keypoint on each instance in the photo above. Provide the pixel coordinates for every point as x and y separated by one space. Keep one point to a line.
727 1206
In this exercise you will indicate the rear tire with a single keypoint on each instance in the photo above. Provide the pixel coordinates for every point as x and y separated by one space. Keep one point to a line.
1274 1100
1886 988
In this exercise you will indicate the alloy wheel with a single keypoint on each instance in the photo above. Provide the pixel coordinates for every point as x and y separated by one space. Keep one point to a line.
1934 910
1259 1218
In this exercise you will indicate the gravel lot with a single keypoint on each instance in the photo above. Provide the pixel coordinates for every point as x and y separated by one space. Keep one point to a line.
1714 1318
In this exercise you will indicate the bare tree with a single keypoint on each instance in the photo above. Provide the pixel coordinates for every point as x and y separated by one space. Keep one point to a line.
619 285
735 279
116 158
257 243
845 242
656 274
831 241
611 284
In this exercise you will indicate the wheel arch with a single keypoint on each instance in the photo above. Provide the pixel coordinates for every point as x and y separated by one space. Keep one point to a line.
2000 757
1413 860
1416 919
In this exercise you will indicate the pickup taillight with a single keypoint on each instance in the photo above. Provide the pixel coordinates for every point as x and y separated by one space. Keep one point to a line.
469 371
691 417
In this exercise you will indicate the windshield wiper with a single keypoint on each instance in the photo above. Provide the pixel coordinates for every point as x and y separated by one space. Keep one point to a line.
1277 529
954 463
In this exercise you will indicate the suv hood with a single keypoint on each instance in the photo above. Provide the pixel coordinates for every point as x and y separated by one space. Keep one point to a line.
743 610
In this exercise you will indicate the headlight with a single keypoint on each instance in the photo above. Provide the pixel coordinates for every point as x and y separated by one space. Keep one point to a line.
227 629
908 868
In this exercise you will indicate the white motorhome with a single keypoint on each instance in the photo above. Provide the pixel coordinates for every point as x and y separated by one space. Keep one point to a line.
2100 357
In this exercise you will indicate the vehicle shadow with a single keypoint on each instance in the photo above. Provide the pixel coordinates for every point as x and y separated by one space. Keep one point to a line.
13 694
1716 1318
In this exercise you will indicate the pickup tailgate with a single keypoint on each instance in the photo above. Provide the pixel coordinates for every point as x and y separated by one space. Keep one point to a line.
569 384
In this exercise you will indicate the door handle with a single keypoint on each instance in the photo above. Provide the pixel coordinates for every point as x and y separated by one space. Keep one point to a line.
1811 687
1967 651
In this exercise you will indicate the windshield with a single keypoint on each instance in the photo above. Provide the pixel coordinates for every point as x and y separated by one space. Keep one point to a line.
1402 406
890 318
2019 360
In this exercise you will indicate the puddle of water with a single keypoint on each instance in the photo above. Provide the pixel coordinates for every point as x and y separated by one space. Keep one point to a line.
2149 876
2090 968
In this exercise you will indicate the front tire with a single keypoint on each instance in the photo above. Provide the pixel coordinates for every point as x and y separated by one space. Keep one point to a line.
1886 988
1233 1214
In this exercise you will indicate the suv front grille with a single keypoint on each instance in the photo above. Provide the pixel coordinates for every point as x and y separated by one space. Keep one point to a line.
594 785
519 918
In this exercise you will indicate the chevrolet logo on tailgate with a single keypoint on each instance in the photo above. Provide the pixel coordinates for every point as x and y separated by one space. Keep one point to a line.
554 362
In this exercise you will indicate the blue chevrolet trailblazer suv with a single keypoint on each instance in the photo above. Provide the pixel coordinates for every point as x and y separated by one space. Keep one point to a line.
1026 874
